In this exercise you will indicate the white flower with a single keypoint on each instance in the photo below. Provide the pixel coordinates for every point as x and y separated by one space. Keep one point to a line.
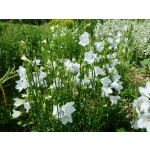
110 47
135 124
52 28
100 45
97 59
117 85
99 71
116 76
106 90
144 121
76 80
16 113
105 81
68 64
27 106
66 119
64 112
75 67
110 40
22 73
21 70
145 91
92 76
117 40
114 54
107 66
21 85
115 62
92 86
126 40
18 102
36 61
56 111
125 28
52 86
109 56
68 109
114 99
84 39
42 75
58 82
85 80
73 59
115 46
118 34
141 104
89 57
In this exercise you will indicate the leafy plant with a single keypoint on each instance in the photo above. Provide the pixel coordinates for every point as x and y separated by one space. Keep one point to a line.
145 66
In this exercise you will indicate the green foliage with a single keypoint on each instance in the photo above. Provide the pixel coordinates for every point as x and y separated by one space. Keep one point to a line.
23 38
30 21
145 66
69 23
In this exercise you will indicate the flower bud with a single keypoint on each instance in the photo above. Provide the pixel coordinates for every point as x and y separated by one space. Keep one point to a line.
30 64
105 105
58 73
42 49
44 41
25 58
88 78
36 69
71 79
44 106
73 59
83 64
39 92
49 62
114 72
34 51
69 69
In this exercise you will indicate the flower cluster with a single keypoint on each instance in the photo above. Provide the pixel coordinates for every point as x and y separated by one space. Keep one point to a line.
64 113
23 83
107 75
142 107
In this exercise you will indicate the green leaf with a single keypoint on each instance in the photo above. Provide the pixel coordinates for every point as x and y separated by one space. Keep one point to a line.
142 70
145 61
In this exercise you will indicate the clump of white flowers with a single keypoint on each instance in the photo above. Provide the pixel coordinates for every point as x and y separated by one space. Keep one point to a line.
142 107
64 113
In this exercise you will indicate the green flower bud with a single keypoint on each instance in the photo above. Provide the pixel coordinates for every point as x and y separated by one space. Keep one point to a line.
71 79
39 92
44 106
83 64
84 87
69 69
114 72
88 78
105 105
42 49
36 68
49 62
58 74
